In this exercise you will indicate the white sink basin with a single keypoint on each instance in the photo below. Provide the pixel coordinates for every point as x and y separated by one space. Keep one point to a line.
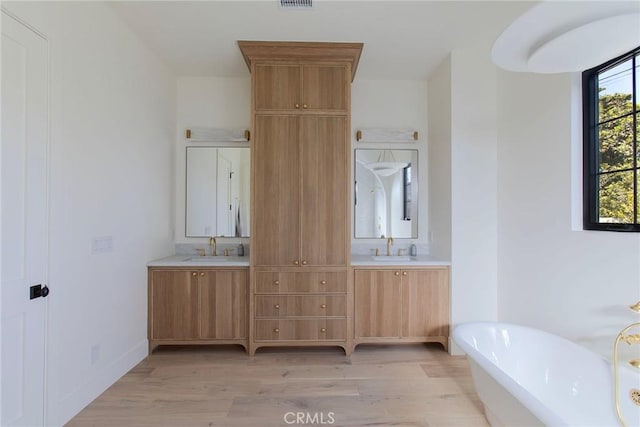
392 258
208 259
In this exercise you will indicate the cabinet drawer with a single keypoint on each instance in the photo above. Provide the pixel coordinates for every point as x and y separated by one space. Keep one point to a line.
301 330
303 282
300 305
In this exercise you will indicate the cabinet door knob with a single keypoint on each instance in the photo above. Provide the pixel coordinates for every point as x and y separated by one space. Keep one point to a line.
323 306
201 274
276 330
397 273
194 274
304 262
296 262
297 105
277 306
404 273
276 282
304 106
323 282
323 330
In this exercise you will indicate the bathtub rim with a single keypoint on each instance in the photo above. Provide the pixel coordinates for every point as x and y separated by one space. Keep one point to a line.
527 399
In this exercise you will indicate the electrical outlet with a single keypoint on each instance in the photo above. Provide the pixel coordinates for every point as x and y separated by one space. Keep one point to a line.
95 353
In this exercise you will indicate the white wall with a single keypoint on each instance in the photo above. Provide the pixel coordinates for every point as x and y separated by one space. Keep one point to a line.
473 186
573 283
112 127
439 104
399 104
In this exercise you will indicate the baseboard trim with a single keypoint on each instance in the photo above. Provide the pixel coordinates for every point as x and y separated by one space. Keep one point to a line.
61 412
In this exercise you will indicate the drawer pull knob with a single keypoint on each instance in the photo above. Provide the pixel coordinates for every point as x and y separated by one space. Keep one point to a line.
276 330
201 274
304 262
404 273
276 282
323 282
397 273
277 306
297 105
296 262
194 274
304 106
323 306
323 330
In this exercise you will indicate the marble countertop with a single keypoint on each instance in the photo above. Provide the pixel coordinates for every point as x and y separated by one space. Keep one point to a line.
184 261
236 261
420 260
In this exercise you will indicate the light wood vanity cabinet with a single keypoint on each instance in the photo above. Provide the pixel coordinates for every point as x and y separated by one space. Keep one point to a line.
197 306
301 159
300 198
301 88
401 305
300 307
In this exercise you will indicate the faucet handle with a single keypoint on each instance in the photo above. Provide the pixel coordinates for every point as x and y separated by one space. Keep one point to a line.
200 251
400 251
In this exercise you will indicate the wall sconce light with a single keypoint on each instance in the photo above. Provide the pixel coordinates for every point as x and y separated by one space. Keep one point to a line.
386 135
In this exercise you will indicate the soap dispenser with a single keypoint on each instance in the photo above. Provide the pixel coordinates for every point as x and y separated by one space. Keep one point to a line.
413 250
240 249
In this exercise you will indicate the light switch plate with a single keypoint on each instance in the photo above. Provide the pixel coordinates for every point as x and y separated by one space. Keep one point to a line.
102 244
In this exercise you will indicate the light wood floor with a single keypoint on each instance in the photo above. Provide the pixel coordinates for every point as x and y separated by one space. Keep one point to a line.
404 385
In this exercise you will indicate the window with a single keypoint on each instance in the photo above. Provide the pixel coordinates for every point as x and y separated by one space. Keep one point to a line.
611 116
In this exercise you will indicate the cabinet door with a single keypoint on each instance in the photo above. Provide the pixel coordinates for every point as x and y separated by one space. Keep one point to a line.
174 305
276 191
325 88
324 201
425 303
377 308
223 304
277 87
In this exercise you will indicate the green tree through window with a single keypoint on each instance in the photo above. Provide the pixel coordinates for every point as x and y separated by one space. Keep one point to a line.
612 190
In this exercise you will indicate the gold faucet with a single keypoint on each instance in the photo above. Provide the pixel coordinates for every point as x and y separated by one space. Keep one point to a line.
214 246
389 243
630 339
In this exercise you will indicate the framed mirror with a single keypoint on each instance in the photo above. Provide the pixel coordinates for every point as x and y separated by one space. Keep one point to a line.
386 194
217 192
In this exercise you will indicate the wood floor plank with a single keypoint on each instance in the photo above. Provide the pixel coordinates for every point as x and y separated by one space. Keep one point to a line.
405 385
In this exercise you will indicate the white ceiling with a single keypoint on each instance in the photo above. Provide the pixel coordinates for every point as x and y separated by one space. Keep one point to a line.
402 39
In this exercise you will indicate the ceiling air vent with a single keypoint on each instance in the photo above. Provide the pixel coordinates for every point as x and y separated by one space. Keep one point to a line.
296 4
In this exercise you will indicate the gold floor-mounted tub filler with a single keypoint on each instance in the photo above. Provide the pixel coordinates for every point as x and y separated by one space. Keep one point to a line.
630 339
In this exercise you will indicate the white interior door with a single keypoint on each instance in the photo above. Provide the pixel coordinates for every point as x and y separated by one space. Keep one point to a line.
24 222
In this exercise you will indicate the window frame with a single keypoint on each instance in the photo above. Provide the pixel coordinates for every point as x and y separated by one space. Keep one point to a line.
406 193
590 121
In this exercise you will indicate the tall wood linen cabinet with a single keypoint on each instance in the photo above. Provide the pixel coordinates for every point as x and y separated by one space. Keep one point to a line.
300 293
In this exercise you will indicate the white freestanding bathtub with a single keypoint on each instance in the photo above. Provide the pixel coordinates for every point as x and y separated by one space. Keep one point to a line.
527 377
